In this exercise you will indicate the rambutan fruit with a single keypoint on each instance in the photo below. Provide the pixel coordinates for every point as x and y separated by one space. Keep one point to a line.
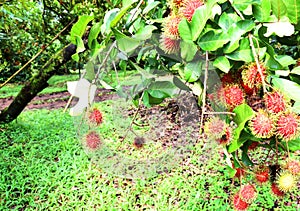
275 102
286 181
251 77
238 203
276 191
96 116
288 126
175 4
92 140
262 125
189 7
293 166
248 193
170 45
226 137
262 174
170 26
227 78
240 172
232 95
215 128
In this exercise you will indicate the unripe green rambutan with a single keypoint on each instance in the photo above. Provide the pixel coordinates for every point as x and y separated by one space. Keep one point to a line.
286 181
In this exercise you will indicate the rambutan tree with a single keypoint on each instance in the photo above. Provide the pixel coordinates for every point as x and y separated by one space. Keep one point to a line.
253 48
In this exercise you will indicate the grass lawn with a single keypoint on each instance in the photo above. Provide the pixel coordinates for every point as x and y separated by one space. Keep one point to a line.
43 166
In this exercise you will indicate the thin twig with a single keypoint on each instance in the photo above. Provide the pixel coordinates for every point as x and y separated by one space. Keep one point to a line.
204 90
256 58
216 113
35 56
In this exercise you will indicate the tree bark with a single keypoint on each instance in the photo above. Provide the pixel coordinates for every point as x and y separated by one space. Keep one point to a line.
36 84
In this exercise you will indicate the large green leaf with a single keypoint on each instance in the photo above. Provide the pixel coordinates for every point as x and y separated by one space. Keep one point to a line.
246 55
227 20
262 11
80 48
94 32
120 14
150 6
188 50
243 114
235 33
212 40
242 4
294 145
125 43
192 71
108 18
293 10
79 27
222 63
191 30
289 88
144 33
279 9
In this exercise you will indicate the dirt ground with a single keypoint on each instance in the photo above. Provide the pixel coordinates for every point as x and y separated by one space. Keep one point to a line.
58 100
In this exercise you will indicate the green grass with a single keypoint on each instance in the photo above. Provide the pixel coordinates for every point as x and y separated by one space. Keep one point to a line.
44 167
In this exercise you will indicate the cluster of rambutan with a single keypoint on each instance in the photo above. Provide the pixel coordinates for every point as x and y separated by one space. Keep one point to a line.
92 138
276 118
170 39
281 184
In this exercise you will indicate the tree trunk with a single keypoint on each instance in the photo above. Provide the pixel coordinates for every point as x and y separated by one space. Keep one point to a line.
36 84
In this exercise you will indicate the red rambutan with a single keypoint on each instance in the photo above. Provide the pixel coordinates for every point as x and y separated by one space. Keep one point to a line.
170 26
262 174
232 95
227 78
276 191
275 102
293 166
226 137
253 145
288 126
96 116
189 7
92 140
251 77
248 193
215 128
262 125
170 45
238 203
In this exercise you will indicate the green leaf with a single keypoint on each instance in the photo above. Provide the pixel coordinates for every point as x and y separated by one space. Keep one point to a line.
94 32
222 63
278 8
191 31
125 43
289 88
120 14
150 6
296 107
162 89
245 158
285 60
144 33
90 72
235 33
262 11
226 20
296 71
293 10
79 27
294 145
243 114
80 48
242 4
108 18
192 71
125 3
146 99
211 41
246 55
180 84
188 50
